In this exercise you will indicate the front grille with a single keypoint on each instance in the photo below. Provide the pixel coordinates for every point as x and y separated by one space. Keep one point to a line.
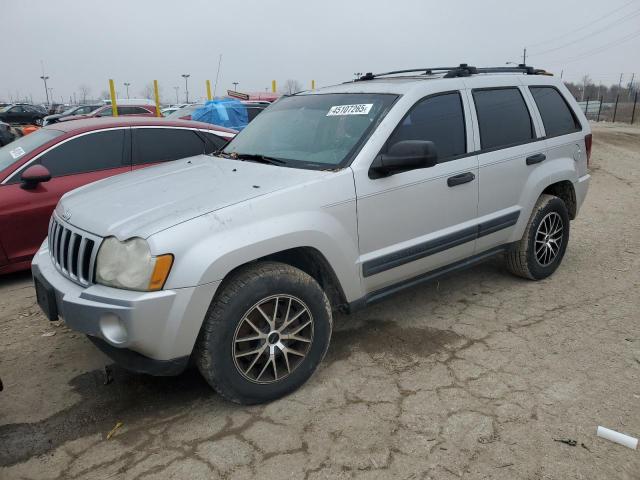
73 251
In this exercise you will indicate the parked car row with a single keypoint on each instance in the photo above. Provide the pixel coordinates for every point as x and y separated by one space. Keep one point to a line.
36 170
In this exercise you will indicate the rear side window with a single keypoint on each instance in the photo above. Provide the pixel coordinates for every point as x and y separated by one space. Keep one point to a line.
87 153
439 119
132 111
557 116
153 145
213 142
503 117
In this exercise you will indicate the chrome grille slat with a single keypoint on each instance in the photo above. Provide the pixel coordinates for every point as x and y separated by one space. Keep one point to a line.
72 242
83 245
73 251
63 250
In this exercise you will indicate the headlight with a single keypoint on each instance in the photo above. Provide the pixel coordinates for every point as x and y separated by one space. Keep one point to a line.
130 265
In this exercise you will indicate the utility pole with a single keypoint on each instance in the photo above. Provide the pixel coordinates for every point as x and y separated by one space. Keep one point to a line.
524 56
46 90
186 85
127 85
620 81
50 94
215 87
176 89
235 86
633 75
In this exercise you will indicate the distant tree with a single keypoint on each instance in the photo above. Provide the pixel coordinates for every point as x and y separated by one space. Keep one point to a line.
291 87
85 90
147 91
105 95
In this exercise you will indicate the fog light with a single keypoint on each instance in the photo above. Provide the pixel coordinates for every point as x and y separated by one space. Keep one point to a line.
112 328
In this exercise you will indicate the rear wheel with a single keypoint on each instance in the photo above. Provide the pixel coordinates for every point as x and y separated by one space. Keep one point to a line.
265 333
541 249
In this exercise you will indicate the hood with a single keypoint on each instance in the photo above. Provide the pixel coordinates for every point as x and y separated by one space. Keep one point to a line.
70 117
146 201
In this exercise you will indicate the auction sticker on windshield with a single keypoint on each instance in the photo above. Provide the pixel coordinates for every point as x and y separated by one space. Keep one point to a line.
17 152
357 109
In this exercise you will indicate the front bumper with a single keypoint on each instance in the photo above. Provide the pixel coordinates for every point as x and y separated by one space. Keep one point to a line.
149 332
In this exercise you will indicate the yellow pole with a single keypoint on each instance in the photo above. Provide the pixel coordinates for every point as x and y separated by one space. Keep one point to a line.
157 95
313 84
273 86
114 106
208 90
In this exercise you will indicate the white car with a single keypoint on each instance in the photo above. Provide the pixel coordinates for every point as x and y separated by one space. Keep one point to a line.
329 200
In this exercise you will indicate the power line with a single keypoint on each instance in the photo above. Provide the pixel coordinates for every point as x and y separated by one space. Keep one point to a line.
583 26
630 16
599 49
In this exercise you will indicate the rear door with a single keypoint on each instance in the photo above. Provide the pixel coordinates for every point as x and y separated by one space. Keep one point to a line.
152 145
508 144
25 214
16 114
561 129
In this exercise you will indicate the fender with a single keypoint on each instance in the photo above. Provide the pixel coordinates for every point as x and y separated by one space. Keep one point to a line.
213 245
544 174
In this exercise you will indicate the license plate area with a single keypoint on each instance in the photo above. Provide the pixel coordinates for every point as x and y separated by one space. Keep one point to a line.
46 299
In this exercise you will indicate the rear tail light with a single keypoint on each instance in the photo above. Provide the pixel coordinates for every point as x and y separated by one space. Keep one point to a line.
587 145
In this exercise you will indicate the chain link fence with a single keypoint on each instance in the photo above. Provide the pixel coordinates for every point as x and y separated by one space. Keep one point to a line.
624 108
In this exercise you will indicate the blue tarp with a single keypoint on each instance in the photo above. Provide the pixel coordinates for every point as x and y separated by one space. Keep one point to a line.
227 113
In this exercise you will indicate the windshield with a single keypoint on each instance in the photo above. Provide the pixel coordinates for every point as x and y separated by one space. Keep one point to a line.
14 151
69 111
316 131
4 109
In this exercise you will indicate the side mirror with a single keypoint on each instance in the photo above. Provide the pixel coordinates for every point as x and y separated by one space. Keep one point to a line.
404 156
34 175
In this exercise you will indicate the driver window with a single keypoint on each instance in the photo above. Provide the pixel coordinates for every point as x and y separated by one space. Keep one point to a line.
439 119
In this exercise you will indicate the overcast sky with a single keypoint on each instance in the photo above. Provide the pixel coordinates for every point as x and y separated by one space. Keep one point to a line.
88 42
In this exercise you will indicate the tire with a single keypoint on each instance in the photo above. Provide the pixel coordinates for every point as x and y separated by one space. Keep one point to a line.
226 340
523 259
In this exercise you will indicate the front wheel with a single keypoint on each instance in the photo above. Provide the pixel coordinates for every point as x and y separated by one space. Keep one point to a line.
265 333
541 249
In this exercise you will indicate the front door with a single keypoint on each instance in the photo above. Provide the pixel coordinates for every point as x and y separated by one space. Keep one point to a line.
416 221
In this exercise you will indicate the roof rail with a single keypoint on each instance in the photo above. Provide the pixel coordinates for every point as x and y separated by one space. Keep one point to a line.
462 70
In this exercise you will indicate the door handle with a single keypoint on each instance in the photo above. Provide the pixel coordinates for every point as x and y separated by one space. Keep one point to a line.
537 158
460 179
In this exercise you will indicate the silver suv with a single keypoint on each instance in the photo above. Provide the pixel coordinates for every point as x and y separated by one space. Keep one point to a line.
329 200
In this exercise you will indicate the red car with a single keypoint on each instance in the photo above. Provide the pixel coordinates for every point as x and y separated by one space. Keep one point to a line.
36 170
123 110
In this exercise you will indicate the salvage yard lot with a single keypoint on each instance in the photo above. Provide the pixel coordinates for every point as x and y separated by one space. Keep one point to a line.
475 376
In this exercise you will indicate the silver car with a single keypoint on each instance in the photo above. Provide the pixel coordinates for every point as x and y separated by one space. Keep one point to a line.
330 200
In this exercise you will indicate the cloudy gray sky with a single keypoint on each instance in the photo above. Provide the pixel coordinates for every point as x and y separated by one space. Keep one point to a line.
88 42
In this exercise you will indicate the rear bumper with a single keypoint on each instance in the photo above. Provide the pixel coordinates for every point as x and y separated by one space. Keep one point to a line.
580 187
148 332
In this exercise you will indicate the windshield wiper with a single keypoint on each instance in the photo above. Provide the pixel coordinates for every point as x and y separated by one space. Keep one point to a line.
253 157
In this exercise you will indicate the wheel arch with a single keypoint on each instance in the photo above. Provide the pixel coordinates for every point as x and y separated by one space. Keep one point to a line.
311 261
564 190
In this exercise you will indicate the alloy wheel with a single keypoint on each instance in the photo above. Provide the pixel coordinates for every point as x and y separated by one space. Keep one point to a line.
548 239
273 338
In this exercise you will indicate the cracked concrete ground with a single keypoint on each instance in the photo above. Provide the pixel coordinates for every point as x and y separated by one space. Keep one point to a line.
475 376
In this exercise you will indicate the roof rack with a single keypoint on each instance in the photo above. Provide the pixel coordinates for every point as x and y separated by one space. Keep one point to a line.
462 70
